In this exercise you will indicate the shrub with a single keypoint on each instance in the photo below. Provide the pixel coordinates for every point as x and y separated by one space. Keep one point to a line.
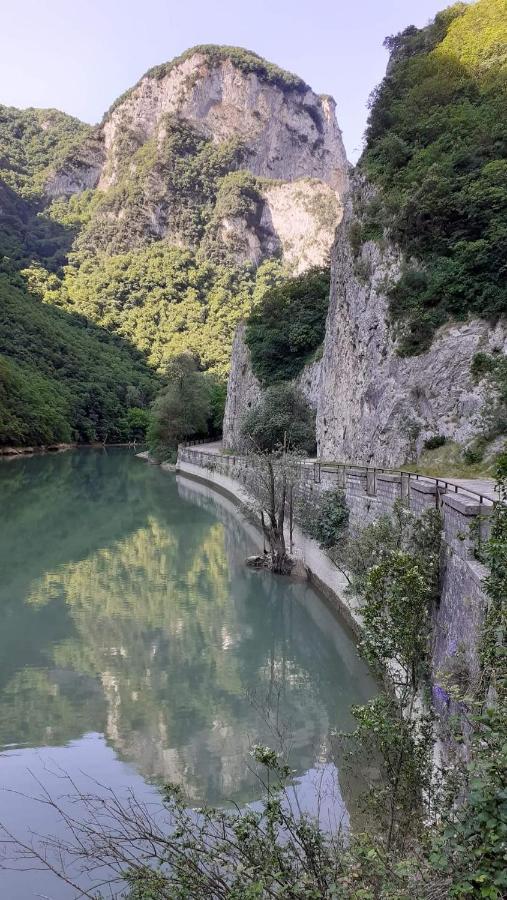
281 418
473 455
435 441
324 517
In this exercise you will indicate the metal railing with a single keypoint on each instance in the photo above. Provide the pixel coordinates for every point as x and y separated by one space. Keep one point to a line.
315 468
442 485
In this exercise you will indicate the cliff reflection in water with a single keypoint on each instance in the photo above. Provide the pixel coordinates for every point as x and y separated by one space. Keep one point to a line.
127 610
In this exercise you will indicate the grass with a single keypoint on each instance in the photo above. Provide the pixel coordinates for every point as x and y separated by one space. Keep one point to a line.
443 462
447 461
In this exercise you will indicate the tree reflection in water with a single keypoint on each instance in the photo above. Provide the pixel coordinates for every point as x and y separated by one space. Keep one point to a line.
126 609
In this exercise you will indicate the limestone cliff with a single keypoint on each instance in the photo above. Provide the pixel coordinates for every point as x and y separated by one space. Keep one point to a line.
158 159
244 389
374 405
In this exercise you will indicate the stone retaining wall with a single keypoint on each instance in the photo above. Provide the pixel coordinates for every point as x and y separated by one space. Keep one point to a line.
369 495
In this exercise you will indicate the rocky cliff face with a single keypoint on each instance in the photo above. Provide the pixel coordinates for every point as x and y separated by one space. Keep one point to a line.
288 131
165 146
244 390
373 405
378 407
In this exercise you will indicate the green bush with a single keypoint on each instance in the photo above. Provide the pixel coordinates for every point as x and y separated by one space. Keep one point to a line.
324 517
473 454
435 441
281 418
288 326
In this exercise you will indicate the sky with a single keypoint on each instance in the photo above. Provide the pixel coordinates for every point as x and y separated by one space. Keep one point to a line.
79 55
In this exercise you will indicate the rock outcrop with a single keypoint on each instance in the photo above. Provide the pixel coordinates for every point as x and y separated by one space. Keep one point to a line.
244 115
374 405
243 391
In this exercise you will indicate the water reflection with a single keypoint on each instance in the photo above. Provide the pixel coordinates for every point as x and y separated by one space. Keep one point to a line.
126 610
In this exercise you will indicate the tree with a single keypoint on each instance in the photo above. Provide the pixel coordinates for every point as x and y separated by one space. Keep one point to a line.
137 422
271 479
282 418
182 409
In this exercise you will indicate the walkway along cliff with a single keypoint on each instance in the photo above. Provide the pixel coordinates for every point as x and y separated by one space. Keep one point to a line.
371 494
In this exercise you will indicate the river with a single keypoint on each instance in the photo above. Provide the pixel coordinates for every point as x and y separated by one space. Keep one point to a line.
136 648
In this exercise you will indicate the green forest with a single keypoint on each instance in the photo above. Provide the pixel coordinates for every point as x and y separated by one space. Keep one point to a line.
436 148
62 378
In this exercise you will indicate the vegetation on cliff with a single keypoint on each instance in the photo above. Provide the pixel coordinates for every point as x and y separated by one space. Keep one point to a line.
32 143
436 147
245 60
287 327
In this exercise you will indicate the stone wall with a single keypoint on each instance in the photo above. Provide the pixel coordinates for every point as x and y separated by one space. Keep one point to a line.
457 621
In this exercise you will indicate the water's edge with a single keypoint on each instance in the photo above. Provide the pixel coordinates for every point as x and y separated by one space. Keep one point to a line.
321 572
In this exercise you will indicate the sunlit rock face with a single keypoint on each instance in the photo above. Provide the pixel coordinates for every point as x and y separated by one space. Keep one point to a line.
375 406
280 131
287 133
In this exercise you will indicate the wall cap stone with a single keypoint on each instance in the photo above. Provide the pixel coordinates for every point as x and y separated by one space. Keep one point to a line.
466 505
424 487
387 476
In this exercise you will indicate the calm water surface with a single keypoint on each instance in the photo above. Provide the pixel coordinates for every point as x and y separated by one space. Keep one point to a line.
136 648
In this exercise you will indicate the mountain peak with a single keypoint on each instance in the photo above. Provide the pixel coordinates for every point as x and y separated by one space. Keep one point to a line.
246 61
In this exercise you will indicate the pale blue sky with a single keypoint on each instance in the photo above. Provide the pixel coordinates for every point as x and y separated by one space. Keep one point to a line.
79 55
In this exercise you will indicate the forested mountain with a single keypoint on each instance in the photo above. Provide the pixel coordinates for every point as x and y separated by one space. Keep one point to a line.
208 182
436 148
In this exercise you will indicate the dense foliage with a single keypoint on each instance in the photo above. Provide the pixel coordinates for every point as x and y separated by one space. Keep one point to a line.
281 418
32 142
63 378
324 517
161 299
287 327
436 146
182 408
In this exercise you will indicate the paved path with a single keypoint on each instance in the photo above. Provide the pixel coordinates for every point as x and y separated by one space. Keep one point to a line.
484 486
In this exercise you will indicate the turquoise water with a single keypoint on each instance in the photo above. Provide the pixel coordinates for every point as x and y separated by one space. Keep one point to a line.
136 647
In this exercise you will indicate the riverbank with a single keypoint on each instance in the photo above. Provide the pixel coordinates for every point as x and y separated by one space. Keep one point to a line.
55 448
311 560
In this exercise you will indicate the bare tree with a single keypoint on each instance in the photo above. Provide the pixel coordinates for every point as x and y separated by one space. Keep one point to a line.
271 478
